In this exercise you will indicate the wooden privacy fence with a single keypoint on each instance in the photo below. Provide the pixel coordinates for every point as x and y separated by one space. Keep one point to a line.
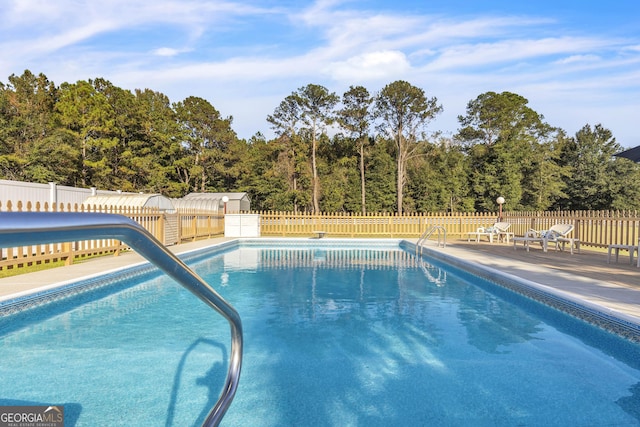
371 225
167 228
593 228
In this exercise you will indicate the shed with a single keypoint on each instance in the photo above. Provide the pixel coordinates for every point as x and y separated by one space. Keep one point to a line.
238 202
198 205
141 200
132 200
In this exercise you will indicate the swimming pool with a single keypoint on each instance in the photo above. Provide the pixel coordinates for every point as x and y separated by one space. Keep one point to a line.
333 336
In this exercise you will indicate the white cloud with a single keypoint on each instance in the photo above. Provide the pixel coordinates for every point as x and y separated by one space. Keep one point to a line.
579 59
166 51
504 51
370 66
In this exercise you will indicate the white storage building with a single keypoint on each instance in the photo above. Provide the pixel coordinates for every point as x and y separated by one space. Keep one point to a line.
214 202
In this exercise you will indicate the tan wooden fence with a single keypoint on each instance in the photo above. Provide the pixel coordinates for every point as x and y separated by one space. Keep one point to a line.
593 228
597 229
172 228
372 225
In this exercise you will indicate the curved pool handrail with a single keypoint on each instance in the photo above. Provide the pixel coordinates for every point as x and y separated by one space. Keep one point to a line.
427 233
32 228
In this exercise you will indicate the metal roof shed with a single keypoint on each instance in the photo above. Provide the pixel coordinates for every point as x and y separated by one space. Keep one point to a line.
238 202
197 205
132 200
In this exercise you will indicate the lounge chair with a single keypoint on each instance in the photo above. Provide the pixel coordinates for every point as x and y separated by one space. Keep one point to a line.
502 228
498 230
557 234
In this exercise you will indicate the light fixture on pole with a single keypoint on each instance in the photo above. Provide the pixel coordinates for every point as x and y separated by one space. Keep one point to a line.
500 201
225 199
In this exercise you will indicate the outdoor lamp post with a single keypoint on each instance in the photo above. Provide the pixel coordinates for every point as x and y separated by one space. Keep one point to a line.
500 201
225 199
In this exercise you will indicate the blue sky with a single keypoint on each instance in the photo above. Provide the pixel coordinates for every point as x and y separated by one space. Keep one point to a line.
577 62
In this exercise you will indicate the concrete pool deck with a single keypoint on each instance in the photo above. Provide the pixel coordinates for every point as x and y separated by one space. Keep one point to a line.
585 275
24 284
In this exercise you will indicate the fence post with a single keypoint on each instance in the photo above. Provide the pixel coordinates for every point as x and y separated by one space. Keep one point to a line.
67 249
194 226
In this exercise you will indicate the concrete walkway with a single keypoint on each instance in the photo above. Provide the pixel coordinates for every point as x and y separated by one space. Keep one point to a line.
585 276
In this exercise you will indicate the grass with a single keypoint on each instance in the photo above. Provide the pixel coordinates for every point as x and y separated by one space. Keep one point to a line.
41 266
10 272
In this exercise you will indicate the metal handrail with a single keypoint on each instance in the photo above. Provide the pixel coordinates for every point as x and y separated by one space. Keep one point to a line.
428 232
31 228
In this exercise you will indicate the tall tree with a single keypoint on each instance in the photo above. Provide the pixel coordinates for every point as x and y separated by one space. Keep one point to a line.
356 119
119 171
285 121
158 146
502 134
596 179
404 111
208 135
26 105
87 115
316 106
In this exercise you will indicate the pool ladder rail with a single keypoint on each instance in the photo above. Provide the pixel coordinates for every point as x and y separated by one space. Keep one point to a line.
32 228
442 237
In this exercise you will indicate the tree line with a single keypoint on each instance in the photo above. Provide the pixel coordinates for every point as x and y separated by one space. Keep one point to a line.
355 152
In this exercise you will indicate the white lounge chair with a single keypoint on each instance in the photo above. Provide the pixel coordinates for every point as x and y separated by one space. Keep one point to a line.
498 230
503 232
557 234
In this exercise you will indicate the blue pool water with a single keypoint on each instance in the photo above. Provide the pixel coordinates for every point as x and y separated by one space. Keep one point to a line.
333 337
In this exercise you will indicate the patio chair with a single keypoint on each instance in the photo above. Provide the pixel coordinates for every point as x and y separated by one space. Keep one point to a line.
503 232
557 234
498 230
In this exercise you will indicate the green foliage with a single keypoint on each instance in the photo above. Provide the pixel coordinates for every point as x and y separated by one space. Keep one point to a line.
438 181
88 116
368 154
26 111
545 182
157 145
404 111
59 146
598 180
356 118
506 144
312 107
206 137
381 195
